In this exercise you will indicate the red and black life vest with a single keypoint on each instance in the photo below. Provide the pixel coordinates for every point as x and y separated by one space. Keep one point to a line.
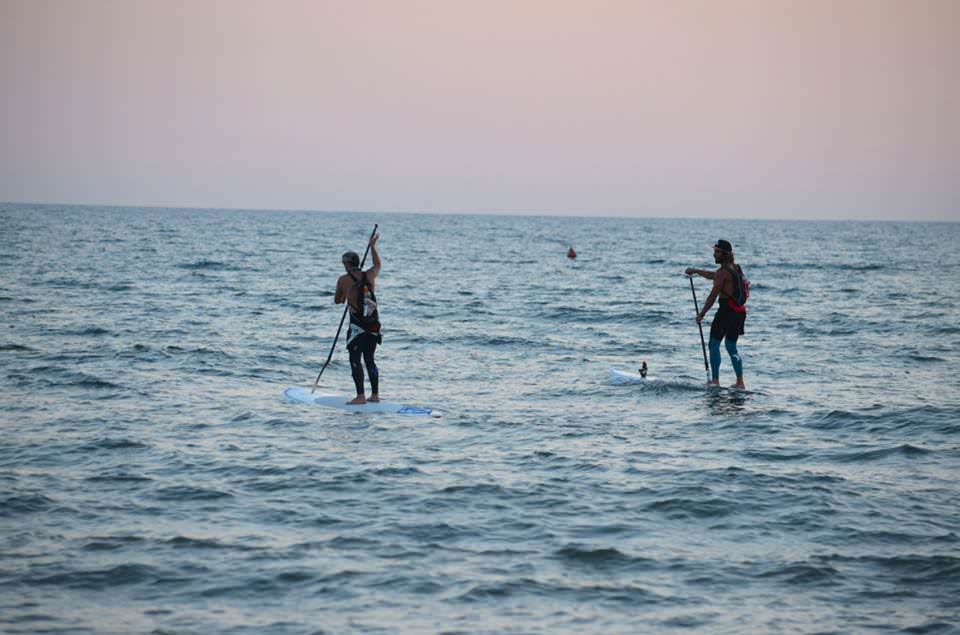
741 291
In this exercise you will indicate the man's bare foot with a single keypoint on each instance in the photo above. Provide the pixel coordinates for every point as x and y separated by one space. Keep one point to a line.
359 400
713 382
740 385
374 398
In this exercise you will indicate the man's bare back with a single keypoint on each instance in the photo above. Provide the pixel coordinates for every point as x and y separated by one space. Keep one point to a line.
346 289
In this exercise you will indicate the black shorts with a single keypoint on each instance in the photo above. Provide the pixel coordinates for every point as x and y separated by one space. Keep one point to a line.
727 323
364 343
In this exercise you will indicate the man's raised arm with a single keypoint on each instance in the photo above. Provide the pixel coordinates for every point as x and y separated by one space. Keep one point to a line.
376 257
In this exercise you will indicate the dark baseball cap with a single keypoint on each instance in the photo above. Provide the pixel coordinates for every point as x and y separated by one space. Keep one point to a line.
724 245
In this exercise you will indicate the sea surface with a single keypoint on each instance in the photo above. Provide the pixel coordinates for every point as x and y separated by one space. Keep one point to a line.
154 480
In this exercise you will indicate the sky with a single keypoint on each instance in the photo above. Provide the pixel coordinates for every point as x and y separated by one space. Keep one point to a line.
844 109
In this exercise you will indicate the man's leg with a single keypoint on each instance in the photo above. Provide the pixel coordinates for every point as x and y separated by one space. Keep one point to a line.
714 360
735 359
356 369
373 372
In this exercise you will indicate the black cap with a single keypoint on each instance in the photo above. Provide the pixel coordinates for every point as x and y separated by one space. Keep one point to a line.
724 245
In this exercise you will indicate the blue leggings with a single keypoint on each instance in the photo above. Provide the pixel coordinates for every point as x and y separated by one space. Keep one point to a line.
731 346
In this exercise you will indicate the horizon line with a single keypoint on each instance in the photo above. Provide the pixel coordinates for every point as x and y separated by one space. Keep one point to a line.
497 213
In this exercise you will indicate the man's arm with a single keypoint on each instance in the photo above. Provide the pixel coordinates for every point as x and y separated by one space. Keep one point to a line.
375 269
706 273
339 296
718 279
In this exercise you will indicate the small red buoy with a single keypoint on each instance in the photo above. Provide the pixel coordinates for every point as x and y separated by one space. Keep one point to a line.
571 254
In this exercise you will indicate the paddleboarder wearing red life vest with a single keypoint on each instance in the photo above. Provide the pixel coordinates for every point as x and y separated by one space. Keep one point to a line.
733 289
356 288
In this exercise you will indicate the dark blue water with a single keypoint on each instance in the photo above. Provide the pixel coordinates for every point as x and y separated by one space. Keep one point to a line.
153 480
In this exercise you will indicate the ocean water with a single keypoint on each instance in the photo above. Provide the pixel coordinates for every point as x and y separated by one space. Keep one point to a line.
154 480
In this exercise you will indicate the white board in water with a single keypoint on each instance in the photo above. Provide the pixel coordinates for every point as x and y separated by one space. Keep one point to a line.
620 377
302 395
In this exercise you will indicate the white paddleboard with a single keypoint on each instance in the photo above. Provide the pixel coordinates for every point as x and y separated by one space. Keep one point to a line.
302 395
622 377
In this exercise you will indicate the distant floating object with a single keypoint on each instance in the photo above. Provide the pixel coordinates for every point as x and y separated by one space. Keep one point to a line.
571 254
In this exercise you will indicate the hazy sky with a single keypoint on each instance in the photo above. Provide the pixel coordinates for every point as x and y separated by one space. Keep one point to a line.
765 108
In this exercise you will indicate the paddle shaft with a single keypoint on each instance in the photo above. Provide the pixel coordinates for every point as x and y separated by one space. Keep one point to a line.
703 344
343 317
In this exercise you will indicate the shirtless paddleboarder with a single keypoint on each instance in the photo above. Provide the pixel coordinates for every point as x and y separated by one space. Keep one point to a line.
732 288
356 288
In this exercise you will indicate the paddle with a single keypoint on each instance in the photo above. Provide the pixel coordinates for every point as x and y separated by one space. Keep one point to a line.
700 326
343 317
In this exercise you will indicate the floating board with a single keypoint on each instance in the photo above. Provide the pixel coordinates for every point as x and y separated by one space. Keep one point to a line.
624 378
302 395
621 377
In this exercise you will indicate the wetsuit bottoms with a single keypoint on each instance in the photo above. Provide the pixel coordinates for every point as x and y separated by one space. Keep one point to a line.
727 324
364 345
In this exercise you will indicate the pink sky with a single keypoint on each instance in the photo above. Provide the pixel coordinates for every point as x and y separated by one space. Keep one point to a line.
706 108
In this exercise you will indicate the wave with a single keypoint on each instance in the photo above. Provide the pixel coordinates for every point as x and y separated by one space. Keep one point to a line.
629 595
108 443
930 627
692 508
99 579
200 351
91 331
860 536
67 283
15 348
118 477
185 542
599 557
776 455
279 583
911 569
111 543
207 265
481 489
188 493
864 456
25 504
938 419
139 351
494 341
803 573
915 357
57 377
92 382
